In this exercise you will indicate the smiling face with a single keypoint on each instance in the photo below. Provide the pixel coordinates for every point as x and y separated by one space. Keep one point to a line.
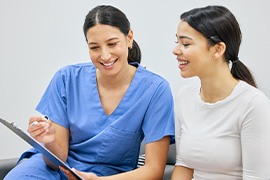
193 53
108 48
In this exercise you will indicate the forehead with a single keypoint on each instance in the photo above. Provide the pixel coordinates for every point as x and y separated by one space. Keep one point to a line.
185 30
102 32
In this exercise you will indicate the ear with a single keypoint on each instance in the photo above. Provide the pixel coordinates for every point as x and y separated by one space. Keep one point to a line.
130 39
219 50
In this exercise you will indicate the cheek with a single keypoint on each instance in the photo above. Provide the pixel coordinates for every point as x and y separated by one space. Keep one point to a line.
194 53
188 53
93 56
121 51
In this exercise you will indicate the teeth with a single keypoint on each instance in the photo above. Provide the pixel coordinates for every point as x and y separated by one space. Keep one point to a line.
108 64
182 62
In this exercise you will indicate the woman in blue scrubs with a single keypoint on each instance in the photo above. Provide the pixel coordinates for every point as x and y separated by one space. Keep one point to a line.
100 112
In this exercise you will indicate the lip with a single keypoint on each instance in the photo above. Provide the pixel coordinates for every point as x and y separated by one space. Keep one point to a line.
108 65
182 63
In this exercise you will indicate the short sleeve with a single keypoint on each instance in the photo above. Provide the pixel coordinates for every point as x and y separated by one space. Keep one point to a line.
53 103
159 117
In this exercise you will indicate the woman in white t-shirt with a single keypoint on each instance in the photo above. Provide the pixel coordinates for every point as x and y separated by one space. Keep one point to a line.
222 123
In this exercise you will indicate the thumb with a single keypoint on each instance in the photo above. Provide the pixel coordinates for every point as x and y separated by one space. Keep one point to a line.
85 175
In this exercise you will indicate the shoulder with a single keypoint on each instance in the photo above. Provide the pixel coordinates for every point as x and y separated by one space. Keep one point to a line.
73 72
255 106
150 77
151 84
75 69
253 99
251 93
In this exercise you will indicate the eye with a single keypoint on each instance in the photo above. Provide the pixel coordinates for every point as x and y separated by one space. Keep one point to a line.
93 48
185 44
112 44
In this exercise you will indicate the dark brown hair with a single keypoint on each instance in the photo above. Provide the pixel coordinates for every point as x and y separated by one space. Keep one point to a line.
218 24
109 15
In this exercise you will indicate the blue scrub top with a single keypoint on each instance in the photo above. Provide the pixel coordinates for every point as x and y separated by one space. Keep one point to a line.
103 144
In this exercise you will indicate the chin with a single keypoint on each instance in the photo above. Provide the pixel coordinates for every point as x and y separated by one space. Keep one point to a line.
185 75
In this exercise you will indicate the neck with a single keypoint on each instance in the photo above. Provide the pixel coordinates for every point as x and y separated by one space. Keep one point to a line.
125 76
217 88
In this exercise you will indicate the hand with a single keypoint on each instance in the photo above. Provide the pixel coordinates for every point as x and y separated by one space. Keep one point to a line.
84 175
41 129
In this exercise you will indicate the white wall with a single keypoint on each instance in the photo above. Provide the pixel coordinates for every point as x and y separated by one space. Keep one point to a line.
39 37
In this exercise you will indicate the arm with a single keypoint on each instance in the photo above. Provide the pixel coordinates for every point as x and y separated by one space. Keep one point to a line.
155 162
54 137
182 173
255 140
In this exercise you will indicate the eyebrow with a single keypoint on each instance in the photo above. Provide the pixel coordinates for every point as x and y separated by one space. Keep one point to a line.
183 37
114 38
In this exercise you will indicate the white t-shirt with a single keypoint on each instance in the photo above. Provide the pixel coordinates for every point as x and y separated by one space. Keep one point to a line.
229 139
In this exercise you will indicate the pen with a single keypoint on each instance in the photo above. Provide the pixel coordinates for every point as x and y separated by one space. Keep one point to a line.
36 122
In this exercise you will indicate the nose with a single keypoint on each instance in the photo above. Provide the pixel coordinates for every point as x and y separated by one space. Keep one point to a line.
105 54
176 51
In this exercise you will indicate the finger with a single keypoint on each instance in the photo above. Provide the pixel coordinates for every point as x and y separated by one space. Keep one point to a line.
38 123
33 119
85 175
38 133
69 175
43 123
35 125
35 128
39 130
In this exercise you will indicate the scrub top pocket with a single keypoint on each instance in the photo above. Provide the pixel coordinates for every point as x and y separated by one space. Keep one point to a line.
119 147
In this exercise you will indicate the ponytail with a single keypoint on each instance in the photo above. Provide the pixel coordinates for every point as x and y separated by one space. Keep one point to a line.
241 72
134 53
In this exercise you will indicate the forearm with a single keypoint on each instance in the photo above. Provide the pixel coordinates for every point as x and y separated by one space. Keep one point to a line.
57 151
149 172
59 146
182 173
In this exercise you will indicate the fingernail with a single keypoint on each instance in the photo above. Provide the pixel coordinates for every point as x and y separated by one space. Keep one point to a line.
34 123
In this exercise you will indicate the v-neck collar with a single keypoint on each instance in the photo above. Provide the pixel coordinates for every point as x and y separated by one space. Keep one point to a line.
124 98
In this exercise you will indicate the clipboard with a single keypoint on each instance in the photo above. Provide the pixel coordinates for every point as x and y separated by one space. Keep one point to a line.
40 148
